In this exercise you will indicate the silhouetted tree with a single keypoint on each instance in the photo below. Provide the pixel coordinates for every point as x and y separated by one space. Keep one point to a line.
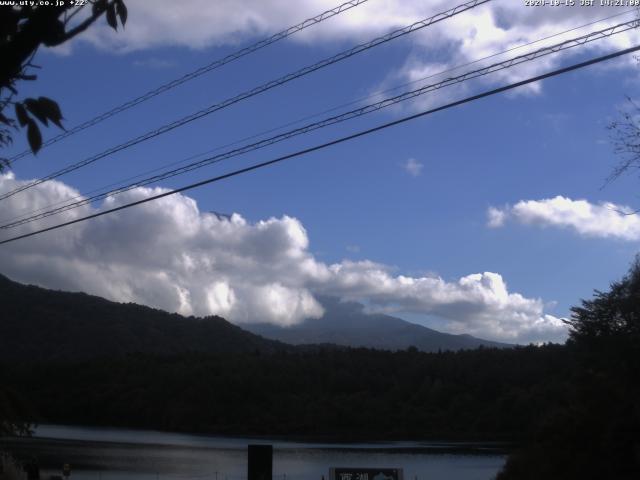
595 432
612 314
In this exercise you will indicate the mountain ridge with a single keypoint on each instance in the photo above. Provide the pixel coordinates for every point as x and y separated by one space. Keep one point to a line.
42 324
347 324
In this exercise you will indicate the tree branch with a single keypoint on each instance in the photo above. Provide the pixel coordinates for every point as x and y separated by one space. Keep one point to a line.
81 27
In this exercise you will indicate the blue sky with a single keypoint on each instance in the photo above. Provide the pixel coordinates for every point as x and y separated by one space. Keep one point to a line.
361 209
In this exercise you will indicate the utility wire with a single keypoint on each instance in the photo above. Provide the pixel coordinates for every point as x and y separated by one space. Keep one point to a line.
196 73
315 115
337 141
509 63
308 117
257 90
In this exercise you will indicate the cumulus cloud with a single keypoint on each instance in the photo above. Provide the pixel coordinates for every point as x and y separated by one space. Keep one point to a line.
169 254
480 32
502 25
227 22
604 220
479 303
202 23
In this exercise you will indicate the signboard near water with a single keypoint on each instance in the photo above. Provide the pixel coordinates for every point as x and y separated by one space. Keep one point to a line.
356 473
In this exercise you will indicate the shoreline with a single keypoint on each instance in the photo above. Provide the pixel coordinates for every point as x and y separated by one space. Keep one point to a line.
91 434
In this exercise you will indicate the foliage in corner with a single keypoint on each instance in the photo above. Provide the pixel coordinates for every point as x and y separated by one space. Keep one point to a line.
23 29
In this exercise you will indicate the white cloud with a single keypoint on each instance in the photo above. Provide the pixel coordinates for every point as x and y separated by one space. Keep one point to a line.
202 23
479 303
497 27
482 31
496 217
604 220
413 167
170 255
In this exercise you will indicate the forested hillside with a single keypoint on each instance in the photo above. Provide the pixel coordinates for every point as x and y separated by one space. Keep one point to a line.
351 393
39 324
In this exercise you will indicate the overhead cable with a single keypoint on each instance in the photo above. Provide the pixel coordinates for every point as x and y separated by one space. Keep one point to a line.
255 91
196 73
358 112
337 141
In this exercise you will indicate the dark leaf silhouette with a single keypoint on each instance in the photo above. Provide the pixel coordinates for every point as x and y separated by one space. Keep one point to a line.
51 110
21 114
111 16
121 9
34 107
34 136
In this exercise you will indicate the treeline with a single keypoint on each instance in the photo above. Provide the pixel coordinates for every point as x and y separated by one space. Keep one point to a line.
594 432
354 393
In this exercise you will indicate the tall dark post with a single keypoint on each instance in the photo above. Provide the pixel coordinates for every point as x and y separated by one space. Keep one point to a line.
33 469
260 462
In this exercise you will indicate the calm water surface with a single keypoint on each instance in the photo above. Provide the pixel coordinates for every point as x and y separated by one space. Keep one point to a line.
116 454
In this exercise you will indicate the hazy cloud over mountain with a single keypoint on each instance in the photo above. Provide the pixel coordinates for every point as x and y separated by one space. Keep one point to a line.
168 254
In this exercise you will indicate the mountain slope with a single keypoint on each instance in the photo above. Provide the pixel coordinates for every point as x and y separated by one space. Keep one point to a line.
346 323
41 324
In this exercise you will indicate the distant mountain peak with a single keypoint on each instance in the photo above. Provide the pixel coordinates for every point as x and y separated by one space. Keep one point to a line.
347 323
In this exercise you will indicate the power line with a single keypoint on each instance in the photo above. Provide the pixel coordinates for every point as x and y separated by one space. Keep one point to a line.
315 115
255 91
477 60
308 117
196 73
333 142
509 63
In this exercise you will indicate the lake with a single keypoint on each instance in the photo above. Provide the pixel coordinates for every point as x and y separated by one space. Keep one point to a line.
116 454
